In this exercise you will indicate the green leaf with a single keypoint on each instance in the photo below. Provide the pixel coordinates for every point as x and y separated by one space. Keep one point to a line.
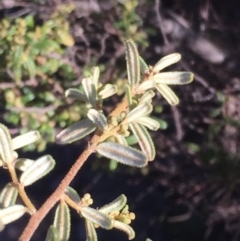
139 111
52 234
90 231
6 148
12 213
173 78
62 221
115 205
107 91
168 94
76 94
123 154
96 217
41 167
25 139
125 228
133 63
98 119
149 123
8 196
166 61
144 140
73 194
23 163
76 132
143 66
95 76
90 90
146 97
30 66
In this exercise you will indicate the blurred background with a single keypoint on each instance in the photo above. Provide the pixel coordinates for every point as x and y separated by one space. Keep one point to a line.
191 191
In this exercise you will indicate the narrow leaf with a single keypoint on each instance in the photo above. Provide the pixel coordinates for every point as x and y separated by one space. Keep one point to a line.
107 91
173 78
133 62
90 231
96 217
76 132
125 228
98 119
168 94
115 205
123 154
25 139
128 94
62 221
95 76
166 61
141 110
12 213
8 196
149 123
73 194
143 66
144 140
6 148
120 139
52 234
41 167
147 96
146 85
23 163
90 90
76 94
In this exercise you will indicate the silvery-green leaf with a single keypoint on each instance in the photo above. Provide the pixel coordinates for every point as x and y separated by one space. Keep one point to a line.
98 119
128 94
168 94
25 139
148 122
41 167
73 194
90 90
62 221
133 63
146 85
96 217
95 76
144 140
52 234
139 111
107 91
166 61
143 66
125 228
76 94
123 154
173 78
147 96
6 148
90 231
120 139
12 213
76 131
23 163
8 196
115 205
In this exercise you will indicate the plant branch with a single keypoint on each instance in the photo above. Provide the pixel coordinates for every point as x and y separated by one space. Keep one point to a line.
20 188
37 217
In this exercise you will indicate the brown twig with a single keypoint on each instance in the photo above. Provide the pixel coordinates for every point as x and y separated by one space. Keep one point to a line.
37 217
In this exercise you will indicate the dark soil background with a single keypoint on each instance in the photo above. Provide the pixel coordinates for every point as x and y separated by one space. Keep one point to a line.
191 191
